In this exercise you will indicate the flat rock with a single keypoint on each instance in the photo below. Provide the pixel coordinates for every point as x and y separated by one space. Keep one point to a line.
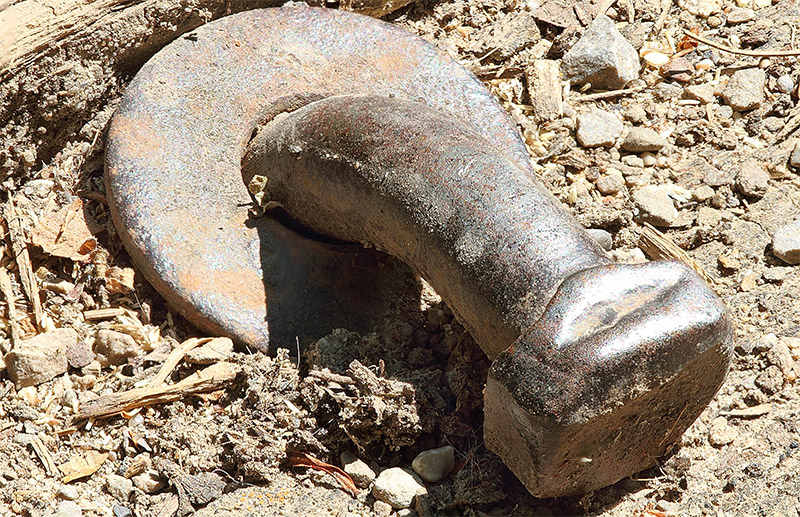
509 35
598 128
745 90
602 56
398 487
642 139
434 465
786 243
218 349
701 92
740 15
119 487
752 180
655 206
66 509
41 358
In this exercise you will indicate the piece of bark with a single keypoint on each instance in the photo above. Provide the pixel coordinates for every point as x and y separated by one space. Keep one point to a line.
658 246
544 90
212 378
374 8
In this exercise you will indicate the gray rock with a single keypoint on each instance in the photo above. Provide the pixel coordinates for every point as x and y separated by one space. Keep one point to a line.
114 348
598 127
752 180
79 354
509 35
667 91
720 432
381 509
398 487
632 160
68 492
602 237
701 92
740 15
359 471
794 158
434 465
785 84
602 56
641 139
635 113
66 509
119 487
702 8
770 380
745 90
39 359
121 511
655 206
786 243
610 184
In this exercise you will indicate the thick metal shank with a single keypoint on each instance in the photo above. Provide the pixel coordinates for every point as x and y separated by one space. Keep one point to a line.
609 363
420 185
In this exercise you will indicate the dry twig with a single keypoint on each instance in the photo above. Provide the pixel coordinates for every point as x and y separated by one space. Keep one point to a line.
744 52
660 247
19 246
610 94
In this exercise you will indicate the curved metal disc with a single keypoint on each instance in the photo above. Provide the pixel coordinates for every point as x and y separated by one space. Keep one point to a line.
173 166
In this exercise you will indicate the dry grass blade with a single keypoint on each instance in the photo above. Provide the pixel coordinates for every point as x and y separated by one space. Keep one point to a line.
104 314
303 459
209 379
743 52
658 246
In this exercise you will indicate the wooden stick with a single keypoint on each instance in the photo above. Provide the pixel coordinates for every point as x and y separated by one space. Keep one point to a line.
8 294
20 248
754 53
610 94
659 246
212 378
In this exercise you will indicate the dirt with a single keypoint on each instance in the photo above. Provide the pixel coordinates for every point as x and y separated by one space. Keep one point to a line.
415 382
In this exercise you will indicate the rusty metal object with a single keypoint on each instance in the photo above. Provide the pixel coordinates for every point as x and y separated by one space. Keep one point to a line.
371 136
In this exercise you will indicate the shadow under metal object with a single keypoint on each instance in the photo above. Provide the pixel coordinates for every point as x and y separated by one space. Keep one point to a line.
367 134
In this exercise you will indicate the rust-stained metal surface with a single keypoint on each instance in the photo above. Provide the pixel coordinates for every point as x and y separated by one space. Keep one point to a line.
383 140
173 166
599 367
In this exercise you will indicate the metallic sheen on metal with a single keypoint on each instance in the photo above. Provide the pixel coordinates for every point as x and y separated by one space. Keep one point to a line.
369 135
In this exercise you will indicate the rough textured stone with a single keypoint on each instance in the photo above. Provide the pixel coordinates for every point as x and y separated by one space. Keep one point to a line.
67 492
218 349
641 139
720 432
397 486
359 471
702 8
794 158
745 90
752 180
510 34
598 127
786 243
434 465
39 359
114 348
79 354
655 206
702 193
610 184
148 482
701 92
740 15
602 56
785 84
119 487
780 356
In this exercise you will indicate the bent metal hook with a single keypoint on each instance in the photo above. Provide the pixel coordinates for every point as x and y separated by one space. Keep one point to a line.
367 134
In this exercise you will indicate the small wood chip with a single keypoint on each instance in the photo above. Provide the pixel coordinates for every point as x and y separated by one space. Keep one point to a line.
544 89
104 314
82 465
658 246
44 456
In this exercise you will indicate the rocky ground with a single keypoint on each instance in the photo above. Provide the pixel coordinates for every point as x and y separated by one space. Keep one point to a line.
697 139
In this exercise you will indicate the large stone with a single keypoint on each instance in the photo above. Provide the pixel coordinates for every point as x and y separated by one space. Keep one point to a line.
359 471
745 90
786 243
434 465
41 358
602 56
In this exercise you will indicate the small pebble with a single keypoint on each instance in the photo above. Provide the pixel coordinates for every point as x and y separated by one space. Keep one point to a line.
785 84
218 349
786 243
701 92
770 381
748 281
635 113
655 206
602 237
752 180
720 432
41 358
118 487
702 8
359 471
114 348
68 492
702 193
740 15
148 482
780 356
775 274
382 509
610 184
121 511
598 128
649 159
794 158
66 509
632 160
745 90
434 465
398 487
